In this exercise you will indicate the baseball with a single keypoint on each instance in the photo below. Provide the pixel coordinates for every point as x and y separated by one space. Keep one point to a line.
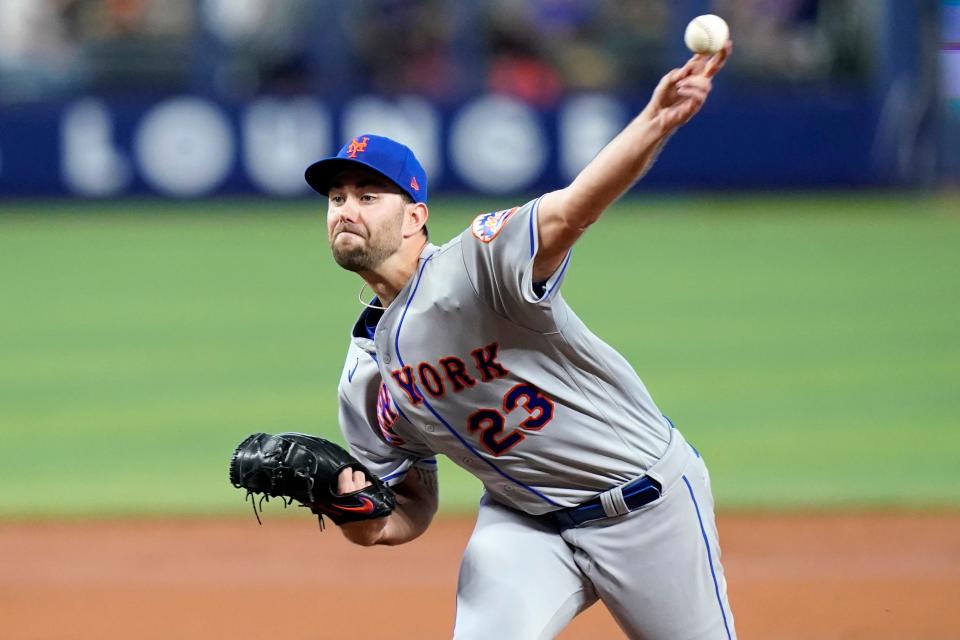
706 34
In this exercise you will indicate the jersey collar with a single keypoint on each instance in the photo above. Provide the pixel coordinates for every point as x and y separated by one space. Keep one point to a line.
364 329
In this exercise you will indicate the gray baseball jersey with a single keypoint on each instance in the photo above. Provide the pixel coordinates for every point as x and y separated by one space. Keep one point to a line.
477 362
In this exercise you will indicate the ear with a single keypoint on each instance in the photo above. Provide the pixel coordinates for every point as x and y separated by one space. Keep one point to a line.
414 218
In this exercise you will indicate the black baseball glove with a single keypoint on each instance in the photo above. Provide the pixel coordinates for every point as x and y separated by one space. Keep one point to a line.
302 468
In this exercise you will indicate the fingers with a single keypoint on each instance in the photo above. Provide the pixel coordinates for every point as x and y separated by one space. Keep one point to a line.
705 64
694 65
697 87
701 64
345 481
717 60
351 480
360 480
676 76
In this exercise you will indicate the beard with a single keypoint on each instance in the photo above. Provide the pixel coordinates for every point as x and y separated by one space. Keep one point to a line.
359 259
379 245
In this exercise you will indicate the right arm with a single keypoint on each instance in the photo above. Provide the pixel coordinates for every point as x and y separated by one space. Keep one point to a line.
416 505
564 215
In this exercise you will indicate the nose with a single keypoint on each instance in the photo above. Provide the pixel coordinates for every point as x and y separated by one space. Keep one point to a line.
347 212
349 209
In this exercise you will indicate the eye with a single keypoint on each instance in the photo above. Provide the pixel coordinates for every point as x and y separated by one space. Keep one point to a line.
368 197
336 199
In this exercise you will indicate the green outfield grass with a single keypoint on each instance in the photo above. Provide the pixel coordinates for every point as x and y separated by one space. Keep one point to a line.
808 345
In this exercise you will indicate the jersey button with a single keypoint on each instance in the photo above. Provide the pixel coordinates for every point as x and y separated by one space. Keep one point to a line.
386 358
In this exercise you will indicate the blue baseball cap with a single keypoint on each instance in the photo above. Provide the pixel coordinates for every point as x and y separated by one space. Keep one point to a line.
387 157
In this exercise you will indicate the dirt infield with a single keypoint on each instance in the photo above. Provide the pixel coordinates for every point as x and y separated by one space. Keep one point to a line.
871 576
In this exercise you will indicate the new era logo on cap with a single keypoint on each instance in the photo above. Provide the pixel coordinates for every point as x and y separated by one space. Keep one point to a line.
387 157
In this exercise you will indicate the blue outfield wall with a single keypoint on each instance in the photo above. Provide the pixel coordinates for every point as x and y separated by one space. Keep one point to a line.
191 146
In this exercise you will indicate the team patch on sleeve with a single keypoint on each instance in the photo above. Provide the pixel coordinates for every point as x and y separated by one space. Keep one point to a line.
486 226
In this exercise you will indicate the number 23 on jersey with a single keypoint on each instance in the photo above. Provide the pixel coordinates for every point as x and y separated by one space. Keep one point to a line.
491 422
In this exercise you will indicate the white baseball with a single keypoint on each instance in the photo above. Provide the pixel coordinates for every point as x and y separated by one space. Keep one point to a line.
706 34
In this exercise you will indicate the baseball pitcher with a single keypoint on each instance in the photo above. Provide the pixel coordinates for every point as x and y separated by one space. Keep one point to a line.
469 350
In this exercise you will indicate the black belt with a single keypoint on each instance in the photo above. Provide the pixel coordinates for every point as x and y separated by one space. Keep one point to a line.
636 494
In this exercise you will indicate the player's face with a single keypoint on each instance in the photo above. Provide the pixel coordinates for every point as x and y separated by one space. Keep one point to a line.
364 220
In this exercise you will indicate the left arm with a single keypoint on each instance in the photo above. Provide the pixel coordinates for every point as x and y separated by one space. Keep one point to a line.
417 500
564 215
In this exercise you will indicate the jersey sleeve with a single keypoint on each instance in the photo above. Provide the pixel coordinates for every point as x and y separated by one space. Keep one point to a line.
498 253
370 423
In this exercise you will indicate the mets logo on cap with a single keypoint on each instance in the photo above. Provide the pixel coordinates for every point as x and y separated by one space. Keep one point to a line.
357 146
486 226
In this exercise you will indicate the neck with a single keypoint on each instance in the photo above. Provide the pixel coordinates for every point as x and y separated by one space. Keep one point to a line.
393 274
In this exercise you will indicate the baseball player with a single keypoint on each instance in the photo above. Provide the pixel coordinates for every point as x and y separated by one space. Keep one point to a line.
469 350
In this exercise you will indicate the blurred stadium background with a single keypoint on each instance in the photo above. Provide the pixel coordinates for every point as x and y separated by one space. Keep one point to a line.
786 280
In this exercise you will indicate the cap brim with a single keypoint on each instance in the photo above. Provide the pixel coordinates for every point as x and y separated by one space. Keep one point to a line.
320 174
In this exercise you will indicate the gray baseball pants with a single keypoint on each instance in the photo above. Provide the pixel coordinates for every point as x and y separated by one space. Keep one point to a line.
657 569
